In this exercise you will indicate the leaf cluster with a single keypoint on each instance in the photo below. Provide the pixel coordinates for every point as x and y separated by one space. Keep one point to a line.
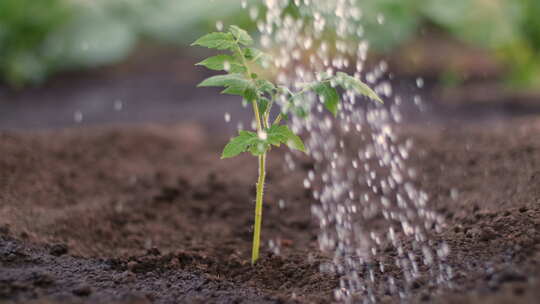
262 93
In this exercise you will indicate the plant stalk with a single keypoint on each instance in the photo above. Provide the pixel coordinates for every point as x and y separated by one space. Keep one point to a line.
258 209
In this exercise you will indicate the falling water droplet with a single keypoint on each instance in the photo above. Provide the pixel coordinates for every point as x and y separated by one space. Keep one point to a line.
78 116
262 135
219 25
118 105
380 19
420 82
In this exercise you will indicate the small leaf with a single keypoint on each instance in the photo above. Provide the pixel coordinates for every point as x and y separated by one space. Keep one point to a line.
296 143
259 148
255 55
297 106
329 95
218 40
241 35
265 86
223 63
281 134
351 83
251 142
250 92
239 144
235 84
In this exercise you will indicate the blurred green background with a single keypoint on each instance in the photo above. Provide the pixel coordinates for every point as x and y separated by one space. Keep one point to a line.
39 38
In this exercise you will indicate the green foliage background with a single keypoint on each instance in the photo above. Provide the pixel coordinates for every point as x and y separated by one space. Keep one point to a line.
508 28
41 37
38 38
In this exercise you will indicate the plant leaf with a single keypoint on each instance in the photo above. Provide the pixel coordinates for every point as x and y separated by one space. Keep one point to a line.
218 40
351 83
259 147
281 134
256 55
239 144
245 142
235 84
329 95
296 106
241 35
223 63
265 86
250 92
251 142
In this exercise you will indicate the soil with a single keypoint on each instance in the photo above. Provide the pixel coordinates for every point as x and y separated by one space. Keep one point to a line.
149 214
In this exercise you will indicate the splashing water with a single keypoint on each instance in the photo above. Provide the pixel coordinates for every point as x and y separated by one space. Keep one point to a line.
367 201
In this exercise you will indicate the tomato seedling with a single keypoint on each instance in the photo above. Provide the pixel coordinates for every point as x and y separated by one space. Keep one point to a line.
263 95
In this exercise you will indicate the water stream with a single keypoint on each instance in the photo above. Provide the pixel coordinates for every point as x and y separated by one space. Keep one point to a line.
365 197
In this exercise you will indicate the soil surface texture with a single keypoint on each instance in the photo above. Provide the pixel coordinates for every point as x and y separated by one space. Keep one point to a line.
149 214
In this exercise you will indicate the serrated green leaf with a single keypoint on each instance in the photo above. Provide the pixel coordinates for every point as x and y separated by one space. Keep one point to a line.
223 63
250 92
296 105
235 84
351 83
239 144
245 142
329 95
241 35
265 86
251 142
281 134
256 55
218 40
259 148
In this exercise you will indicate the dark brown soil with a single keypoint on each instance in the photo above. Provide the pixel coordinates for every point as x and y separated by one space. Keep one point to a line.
151 215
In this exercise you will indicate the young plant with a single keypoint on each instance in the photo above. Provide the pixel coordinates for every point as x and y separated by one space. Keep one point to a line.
263 94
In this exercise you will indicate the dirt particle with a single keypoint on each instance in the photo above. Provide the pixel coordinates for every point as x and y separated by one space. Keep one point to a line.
425 297
488 234
287 242
41 279
132 265
82 291
201 194
519 291
4 229
507 276
153 251
167 194
58 249
473 232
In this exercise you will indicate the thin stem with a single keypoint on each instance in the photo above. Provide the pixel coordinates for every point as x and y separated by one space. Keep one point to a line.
262 171
244 62
258 209
256 113
278 119
248 75
266 119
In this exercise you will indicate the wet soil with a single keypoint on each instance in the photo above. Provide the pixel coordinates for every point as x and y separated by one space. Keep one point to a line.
149 214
